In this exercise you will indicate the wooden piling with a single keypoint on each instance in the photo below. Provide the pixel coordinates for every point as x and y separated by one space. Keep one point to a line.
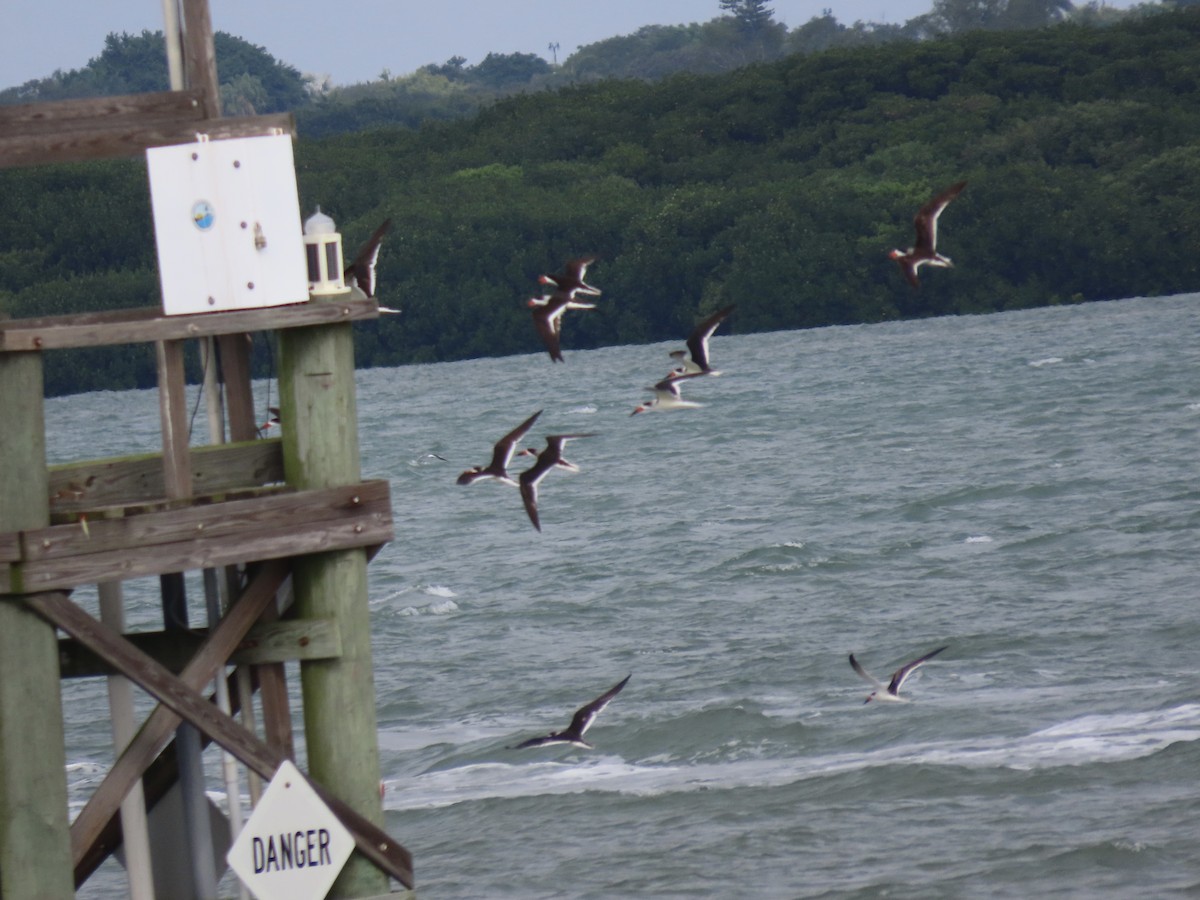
35 847
320 449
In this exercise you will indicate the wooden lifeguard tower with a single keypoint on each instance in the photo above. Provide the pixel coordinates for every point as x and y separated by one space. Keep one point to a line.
258 516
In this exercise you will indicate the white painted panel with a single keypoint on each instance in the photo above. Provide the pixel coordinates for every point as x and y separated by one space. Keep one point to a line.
227 224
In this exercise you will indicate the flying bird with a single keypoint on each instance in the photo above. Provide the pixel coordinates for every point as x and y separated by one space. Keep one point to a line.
924 251
272 420
570 278
502 454
667 396
695 360
550 458
891 691
360 274
580 722
547 312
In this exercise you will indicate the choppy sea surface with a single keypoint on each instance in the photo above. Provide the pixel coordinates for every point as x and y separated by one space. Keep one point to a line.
1020 487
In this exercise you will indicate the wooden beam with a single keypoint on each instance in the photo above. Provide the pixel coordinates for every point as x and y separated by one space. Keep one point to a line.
200 55
132 139
138 480
172 403
181 697
204 536
274 642
33 786
320 449
155 731
92 113
159 777
233 351
138 326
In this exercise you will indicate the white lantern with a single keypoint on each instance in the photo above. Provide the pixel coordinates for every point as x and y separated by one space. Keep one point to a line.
323 247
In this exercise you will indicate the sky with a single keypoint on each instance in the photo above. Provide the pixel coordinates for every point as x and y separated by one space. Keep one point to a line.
356 40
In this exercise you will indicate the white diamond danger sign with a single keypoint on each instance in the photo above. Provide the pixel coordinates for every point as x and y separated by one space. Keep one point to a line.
293 847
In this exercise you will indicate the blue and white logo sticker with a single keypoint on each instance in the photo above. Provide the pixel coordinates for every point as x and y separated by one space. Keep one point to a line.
203 215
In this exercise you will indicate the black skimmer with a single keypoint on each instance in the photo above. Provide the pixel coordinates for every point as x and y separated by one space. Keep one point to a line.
547 312
570 279
550 458
272 419
891 691
666 395
580 722
924 251
695 360
360 274
502 454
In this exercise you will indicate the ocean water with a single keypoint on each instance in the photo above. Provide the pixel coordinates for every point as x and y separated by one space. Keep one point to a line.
1020 487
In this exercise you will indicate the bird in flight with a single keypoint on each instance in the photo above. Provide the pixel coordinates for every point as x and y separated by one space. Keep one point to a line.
550 458
924 251
891 691
695 360
580 722
360 274
502 454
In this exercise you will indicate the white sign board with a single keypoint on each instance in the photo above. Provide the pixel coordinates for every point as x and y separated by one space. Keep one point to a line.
227 224
292 847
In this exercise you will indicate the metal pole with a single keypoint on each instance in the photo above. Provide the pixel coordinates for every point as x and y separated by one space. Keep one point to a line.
216 599
134 830
174 42
189 753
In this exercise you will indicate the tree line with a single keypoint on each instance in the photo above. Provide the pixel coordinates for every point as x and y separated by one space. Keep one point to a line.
778 187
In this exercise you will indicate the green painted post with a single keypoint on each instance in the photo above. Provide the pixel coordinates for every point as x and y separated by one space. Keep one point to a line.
35 842
319 422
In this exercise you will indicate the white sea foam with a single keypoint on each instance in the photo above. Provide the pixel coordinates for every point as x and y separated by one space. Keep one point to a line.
1083 741
437 608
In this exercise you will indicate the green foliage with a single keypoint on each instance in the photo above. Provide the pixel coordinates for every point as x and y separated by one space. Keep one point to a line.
251 79
779 187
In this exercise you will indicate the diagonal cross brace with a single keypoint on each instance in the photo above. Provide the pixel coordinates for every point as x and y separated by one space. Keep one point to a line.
156 730
184 701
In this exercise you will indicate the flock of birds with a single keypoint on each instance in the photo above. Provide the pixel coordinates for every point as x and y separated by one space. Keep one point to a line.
548 311
568 289
565 291
583 718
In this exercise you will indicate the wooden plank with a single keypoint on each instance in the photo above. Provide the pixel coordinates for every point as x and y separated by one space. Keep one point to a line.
159 777
317 394
33 787
279 542
199 537
100 112
157 728
235 519
173 413
274 642
137 326
181 697
132 139
200 55
288 641
10 547
233 350
136 480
